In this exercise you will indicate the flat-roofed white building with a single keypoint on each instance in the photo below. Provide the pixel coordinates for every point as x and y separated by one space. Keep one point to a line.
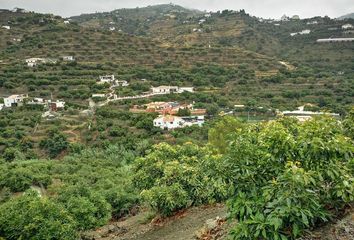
68 58
164 89
171 89
107 79
14 100
347 26
169 122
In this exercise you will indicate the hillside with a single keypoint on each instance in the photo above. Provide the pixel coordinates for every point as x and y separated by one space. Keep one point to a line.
347 16
137 20
168 123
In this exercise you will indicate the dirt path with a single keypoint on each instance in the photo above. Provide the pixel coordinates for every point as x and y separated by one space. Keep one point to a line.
183 226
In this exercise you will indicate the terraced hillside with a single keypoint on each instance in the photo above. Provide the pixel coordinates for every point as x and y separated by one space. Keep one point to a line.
322 72
99 52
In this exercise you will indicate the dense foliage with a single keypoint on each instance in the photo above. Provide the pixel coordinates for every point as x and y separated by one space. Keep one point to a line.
32 217
174 178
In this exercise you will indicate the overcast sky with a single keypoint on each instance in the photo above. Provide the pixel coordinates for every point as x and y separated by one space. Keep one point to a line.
260 8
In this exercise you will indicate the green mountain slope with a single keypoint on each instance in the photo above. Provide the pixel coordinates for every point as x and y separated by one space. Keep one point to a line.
347 16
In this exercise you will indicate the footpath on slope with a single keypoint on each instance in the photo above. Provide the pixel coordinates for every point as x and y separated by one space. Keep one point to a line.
182 226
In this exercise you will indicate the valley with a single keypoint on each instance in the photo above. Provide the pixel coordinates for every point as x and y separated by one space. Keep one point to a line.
164 122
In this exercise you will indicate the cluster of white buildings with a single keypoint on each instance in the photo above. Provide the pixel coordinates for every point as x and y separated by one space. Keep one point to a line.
32 62
303 32
347 26
110 79
171 89
169 122
23 99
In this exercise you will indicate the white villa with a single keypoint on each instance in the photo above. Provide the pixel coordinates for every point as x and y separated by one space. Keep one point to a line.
303 32
171 89
122 83
347 26
164 89
169 122
14 100
185 89
107 79
98 95
312 22
56 105
6 27
32 62
68 58
37 101
172 122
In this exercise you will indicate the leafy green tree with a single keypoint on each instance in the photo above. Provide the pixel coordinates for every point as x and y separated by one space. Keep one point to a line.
32 217
172 178
219 134
276 200
349 124
55 143
88 208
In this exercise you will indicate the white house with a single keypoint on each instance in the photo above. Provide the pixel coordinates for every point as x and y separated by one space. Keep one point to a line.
201 21
6 27
303 32
107 79
31 62
122 83
14 100
347 26
1 106
112 28
312 22
169 122
68 58
98 95
37 101
171 89
57 105
185 89
164 89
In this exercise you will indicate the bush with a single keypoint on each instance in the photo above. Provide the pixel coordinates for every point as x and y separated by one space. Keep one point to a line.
276 198
189 172
32 217
88 208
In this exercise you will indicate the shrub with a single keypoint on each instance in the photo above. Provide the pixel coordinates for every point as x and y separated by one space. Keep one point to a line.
189 172
32 217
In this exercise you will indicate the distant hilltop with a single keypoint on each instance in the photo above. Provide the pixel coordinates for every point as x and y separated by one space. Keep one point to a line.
347 16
